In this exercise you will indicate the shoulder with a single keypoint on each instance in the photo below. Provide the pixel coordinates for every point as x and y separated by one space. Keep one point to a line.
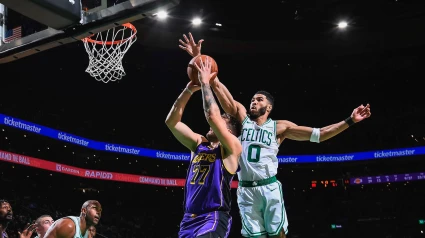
204 143
65 227
245 119
283 125
201 146
203 140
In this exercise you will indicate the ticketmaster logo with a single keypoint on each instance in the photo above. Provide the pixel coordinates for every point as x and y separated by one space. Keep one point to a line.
65 137
382 154
21 125
334 158
288 160
121 149
163 155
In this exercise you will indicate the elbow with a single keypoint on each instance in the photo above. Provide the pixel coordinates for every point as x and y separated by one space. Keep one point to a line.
170 125
231 108
316 135
169 122
173 118
324 134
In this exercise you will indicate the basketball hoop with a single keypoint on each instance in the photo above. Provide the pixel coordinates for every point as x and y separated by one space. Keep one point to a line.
106 51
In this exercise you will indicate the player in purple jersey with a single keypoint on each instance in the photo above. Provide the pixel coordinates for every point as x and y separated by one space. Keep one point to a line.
213 164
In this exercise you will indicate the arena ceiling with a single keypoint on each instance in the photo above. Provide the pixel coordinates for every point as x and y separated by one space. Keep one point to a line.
292 26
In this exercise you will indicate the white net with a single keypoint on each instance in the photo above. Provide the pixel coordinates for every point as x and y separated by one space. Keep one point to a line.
106 51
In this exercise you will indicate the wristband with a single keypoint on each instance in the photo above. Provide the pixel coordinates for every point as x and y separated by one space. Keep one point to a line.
349 121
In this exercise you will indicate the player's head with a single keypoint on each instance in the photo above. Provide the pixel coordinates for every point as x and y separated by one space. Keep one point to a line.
233 125
42 224
91 211
6 213
92 231
261 104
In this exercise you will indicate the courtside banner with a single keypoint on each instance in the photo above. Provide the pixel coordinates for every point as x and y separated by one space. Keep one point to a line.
92 174
387 178
178 156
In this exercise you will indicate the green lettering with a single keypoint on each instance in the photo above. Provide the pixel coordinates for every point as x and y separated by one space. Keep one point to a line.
243 134
263 137
270 139
249 134
257 153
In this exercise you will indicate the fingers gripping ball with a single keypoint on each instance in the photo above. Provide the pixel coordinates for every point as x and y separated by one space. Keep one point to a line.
192 72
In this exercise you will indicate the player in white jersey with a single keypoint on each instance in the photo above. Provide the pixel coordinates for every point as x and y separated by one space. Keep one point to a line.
260 196
77 227
258 142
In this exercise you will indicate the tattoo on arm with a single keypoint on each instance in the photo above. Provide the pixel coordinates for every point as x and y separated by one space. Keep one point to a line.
208 99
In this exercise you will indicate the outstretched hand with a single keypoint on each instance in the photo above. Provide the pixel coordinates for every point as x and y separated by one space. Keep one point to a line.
360 113
190 46
27 232
204 71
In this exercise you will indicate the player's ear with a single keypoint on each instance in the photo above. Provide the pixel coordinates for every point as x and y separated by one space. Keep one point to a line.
269 108
83 212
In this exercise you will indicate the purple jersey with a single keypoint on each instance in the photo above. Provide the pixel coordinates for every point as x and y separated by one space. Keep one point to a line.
208 182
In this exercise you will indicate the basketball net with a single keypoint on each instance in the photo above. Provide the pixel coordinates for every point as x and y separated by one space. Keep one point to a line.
106 51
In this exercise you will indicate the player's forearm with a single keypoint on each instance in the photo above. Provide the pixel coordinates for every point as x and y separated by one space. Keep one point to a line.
330 131
224 96
211 108
176 112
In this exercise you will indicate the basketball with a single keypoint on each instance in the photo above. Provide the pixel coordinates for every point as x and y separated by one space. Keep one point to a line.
192 72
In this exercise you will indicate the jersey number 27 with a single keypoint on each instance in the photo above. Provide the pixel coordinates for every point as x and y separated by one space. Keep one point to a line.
200 171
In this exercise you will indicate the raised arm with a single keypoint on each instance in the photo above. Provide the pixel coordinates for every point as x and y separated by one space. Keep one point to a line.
287 129
229 105
62 228
229 141
180 130
225 99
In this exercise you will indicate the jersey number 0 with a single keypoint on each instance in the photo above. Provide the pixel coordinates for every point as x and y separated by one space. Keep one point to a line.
254 152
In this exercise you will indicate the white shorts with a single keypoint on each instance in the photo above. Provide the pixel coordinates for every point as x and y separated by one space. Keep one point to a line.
262 210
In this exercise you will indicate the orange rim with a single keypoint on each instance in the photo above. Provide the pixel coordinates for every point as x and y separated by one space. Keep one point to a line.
128 25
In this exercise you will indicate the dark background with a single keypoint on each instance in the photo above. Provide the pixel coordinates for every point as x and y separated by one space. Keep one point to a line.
317 73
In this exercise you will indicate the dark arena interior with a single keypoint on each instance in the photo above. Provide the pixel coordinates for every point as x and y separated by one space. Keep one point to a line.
66 138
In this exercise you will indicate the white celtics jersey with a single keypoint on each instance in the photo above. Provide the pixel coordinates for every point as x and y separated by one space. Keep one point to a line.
259 150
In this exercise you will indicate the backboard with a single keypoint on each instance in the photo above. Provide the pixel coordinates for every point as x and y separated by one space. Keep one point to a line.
31 26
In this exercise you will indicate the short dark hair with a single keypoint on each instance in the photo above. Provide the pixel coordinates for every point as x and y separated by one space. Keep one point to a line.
268 95
235 125
3 201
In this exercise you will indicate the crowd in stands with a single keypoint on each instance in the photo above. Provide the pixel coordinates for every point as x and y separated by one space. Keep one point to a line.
134 210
